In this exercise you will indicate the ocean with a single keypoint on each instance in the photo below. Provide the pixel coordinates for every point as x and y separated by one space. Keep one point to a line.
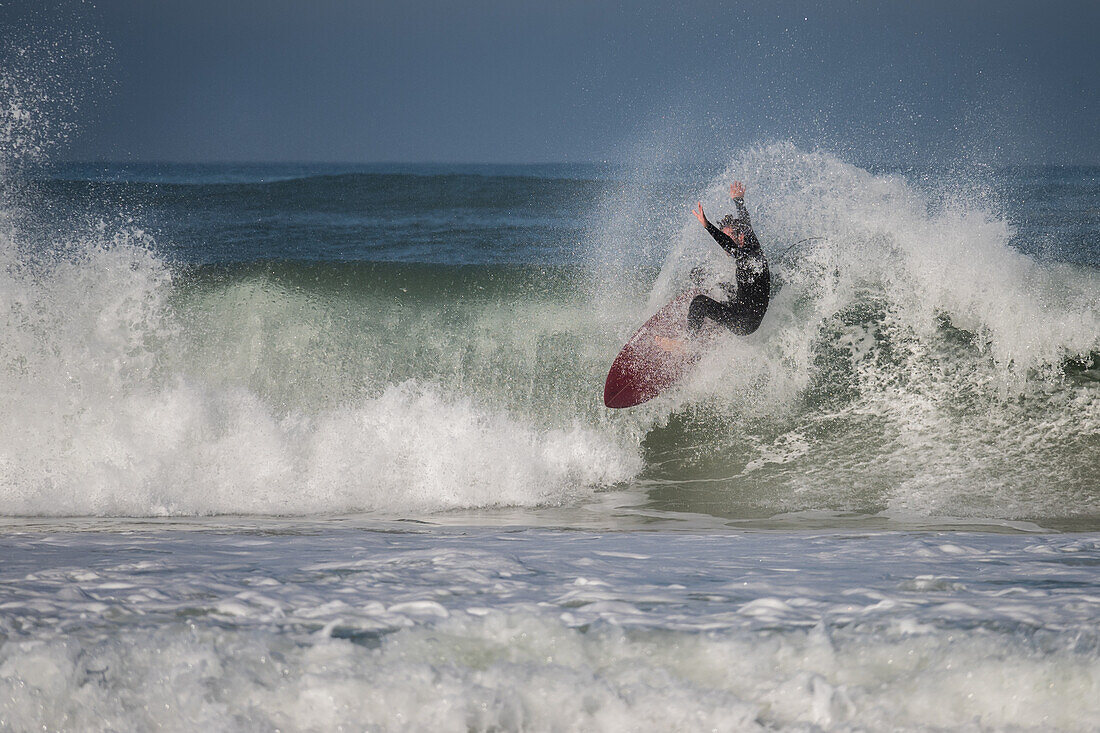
322 447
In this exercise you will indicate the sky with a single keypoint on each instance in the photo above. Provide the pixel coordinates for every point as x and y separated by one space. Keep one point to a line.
513 81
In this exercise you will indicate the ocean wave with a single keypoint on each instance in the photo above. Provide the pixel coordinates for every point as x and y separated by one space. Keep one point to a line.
912 363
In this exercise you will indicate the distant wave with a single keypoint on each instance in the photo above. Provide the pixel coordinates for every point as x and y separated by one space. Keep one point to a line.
227 176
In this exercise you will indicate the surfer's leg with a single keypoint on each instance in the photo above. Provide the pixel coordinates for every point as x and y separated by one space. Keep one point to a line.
741 318
702 307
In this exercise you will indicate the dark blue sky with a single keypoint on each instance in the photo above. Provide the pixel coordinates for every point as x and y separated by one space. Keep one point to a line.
517 81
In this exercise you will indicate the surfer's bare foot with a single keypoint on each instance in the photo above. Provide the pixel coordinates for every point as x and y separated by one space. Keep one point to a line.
671 345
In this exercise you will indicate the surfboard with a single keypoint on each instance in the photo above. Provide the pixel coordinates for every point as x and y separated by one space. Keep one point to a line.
659 354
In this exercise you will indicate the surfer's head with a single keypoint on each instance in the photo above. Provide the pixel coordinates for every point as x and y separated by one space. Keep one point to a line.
733 228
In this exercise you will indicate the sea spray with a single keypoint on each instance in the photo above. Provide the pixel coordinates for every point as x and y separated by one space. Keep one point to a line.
916 358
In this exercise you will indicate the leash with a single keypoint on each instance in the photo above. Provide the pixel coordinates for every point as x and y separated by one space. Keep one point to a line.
801 241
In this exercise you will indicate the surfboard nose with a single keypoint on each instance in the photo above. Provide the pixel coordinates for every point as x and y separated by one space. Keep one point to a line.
623 388
614 395
656 357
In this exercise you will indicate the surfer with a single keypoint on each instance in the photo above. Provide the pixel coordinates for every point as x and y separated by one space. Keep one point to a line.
745 309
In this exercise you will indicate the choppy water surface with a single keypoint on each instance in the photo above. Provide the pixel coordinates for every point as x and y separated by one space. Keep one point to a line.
317 627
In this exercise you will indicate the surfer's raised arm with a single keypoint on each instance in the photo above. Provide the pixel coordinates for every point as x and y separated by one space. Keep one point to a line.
725 241
732 233
701 216
737 193
725 237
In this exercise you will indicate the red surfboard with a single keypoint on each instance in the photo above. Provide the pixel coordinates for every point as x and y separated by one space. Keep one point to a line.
657 356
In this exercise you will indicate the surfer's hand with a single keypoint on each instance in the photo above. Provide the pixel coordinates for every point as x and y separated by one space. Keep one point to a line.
699 214
737 190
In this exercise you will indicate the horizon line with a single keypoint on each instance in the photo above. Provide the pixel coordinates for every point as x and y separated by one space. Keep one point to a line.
226 162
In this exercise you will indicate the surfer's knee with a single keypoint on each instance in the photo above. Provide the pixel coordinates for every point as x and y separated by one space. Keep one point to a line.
746 329
750 322
697 311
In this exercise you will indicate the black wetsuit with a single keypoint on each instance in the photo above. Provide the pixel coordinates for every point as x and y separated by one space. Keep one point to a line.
745 309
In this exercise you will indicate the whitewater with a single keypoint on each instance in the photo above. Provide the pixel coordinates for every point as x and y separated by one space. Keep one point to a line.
322 447
914 363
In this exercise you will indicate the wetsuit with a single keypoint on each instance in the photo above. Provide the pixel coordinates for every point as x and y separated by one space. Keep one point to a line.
745 309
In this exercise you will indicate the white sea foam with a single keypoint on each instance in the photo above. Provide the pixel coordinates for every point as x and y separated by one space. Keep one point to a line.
529 673
110 417
314 628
